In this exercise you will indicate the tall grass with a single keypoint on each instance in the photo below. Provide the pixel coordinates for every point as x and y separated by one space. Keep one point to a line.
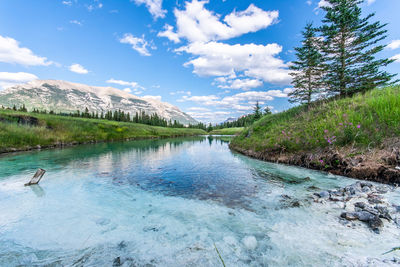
362 120
227 131
52 130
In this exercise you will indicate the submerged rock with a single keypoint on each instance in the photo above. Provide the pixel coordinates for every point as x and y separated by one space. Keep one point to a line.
250 242
362 201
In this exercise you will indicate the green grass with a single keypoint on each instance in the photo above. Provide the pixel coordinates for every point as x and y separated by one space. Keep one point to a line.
365 120
227 131
52 130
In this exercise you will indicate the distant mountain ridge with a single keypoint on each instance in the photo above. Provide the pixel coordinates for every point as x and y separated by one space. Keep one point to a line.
63 96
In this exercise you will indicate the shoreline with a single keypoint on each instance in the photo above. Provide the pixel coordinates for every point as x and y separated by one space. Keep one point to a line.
61 145
360 166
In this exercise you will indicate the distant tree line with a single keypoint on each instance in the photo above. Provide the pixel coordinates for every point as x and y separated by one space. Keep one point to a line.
339 57
117 115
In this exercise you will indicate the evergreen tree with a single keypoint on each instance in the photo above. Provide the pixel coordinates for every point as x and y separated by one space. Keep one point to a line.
308 69
350 45
257 111
267 110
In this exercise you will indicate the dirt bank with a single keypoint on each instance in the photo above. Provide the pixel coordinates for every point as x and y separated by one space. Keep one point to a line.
379 164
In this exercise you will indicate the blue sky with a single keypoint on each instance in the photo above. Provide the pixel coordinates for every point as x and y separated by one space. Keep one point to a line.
213 59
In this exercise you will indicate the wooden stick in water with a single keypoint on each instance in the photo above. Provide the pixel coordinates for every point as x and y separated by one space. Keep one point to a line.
36 178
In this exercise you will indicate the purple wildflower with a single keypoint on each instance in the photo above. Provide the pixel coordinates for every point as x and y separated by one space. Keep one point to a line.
358 126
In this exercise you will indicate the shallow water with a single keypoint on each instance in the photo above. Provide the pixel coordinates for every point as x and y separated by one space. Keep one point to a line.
170 203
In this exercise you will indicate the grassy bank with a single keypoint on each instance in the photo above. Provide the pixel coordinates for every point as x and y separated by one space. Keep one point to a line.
227 131
364 120
22 131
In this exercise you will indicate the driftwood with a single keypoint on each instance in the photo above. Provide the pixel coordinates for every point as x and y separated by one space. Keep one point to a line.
36 178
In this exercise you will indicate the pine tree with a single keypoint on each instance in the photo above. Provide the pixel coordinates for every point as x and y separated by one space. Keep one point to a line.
257 111
308 69
350 45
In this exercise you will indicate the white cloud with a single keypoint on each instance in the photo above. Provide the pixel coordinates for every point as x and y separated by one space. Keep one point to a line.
11 52
256 61
324 3
309 2
152 97
77 22
181 92
393 44
154 7
169 33
369 2
199 109
197 24
240 102
77 68
138 44
396 58
124 83
67 3
245 84
8 79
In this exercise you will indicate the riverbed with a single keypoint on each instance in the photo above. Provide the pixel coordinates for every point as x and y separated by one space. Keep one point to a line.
175 202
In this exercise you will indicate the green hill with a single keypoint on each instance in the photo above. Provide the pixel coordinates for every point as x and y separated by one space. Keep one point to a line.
24 131
332 135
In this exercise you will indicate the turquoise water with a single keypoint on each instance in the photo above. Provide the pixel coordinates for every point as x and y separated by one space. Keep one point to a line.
170 203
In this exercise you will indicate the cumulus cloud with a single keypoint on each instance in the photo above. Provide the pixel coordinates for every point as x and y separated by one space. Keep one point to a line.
77 68
12 52
197 24
244 84
8 79
369 2
137 43
154 7
153 97
241 102
396 58
169 33
393 45
256 61
124 83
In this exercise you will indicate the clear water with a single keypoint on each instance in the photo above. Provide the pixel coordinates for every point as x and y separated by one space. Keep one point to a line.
170 203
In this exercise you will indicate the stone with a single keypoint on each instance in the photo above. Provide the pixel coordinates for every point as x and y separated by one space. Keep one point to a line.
323 194
250 242
375 223
364 216
349 216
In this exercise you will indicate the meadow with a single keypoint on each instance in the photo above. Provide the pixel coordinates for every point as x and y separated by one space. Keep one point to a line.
23 131
363 121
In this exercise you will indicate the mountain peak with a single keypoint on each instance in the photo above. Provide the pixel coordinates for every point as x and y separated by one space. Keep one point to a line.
64 96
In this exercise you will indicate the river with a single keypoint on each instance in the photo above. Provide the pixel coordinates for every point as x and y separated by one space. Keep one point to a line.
172 202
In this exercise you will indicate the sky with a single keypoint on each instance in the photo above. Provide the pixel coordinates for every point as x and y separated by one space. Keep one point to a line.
213 59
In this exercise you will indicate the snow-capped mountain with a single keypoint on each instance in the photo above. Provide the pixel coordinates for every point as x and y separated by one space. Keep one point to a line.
63 96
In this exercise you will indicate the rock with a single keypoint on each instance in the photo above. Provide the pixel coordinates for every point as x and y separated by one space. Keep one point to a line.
375 199
313 187
117 262
323 194
375 223
349 216
364 216
250 242
383 212
360 205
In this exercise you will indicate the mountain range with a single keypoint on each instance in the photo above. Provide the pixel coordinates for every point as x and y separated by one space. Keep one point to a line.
63 96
